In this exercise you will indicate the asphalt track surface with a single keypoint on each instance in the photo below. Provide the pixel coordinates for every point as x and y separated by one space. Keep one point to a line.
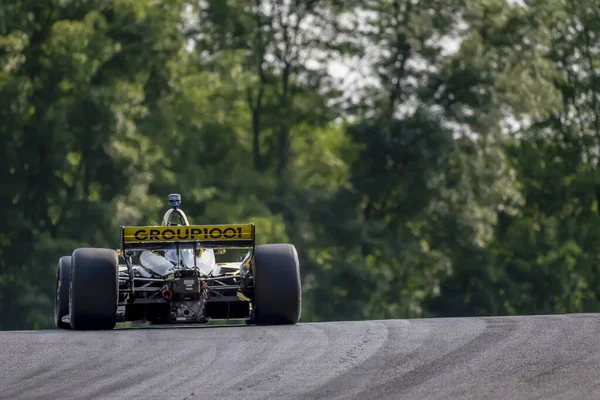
504 358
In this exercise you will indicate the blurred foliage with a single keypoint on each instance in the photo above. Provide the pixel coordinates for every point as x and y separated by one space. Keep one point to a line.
453 170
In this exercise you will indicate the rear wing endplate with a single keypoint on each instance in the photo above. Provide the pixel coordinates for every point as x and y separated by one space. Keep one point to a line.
207 236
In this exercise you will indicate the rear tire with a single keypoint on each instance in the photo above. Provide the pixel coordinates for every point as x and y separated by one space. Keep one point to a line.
61 299
94 289
277 292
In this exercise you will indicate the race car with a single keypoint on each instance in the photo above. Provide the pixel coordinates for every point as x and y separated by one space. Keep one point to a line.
179 273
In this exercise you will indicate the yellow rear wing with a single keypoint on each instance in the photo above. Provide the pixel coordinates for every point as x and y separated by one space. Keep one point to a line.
206 236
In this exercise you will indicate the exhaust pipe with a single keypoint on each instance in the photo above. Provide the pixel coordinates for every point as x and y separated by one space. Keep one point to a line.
167 294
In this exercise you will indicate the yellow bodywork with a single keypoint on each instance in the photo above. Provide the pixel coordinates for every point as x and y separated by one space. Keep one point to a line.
154 234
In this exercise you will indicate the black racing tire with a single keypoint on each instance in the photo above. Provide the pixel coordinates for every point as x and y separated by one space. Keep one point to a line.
277 291
61 299
94 289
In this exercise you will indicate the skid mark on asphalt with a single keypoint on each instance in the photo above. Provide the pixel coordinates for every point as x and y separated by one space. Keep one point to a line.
418 353
307 371
516 357
495 331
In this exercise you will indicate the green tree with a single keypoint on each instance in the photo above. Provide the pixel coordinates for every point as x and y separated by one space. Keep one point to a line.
75 81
